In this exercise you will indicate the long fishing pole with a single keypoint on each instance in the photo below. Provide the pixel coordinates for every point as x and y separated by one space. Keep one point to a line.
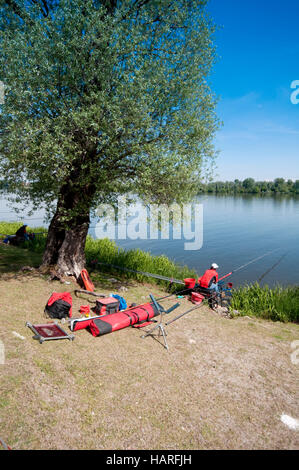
229 274
247 264
144 273
182 314
232 272
272 267
178 281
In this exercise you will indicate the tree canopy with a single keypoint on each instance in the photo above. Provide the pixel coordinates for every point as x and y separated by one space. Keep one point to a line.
103 98
121 86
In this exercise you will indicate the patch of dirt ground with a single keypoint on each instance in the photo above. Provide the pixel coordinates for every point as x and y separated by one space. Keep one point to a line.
223 384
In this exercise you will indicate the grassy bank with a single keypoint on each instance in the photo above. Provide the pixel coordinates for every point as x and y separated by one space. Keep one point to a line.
223 383
106 251
277 304
10 228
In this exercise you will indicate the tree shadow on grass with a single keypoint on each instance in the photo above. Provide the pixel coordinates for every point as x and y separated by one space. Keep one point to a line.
13 259
19 263
110 281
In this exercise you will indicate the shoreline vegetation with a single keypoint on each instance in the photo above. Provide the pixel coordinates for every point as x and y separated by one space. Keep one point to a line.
276 304
250 186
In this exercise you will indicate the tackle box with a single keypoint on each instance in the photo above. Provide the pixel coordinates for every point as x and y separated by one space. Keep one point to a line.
106 306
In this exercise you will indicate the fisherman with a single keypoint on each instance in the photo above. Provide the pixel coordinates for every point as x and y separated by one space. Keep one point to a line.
21 233
20 236
209 280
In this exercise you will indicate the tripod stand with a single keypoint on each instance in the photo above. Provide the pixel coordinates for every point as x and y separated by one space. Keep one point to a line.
159 326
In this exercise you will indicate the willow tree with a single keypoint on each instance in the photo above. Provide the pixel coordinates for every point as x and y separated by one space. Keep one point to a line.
103 98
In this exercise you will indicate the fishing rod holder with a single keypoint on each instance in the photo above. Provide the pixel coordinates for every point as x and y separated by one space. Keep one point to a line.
160 326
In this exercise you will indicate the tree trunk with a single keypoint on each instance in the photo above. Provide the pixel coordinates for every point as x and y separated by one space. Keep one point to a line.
71 257
56 235
65 246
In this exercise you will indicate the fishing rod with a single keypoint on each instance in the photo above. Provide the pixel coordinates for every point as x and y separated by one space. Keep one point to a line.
229 274
247 264
272 267
144 273
182 314
178 281
188 290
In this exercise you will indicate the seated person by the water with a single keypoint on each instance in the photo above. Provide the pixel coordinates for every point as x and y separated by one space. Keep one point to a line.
21 232
209 280
20 236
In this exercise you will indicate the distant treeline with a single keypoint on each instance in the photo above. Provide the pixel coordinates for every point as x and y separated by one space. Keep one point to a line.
250 186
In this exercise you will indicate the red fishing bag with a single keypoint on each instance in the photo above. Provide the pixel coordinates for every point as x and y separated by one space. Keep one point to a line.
59 305
107 306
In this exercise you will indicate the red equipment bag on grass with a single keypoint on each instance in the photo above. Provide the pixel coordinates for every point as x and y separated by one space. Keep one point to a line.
116 321
106 306
59 305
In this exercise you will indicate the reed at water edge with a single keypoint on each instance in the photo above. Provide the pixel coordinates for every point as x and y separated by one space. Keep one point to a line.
107 251
277 303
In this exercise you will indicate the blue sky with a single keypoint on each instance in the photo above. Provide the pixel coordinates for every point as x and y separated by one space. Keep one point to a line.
258 49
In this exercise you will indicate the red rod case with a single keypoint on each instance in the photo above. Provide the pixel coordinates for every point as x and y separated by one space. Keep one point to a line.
81 323
116 321
101 325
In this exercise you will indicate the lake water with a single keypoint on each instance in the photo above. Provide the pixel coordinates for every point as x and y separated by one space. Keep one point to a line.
235 231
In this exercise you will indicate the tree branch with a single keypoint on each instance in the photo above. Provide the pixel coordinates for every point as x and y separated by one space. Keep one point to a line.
44 7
